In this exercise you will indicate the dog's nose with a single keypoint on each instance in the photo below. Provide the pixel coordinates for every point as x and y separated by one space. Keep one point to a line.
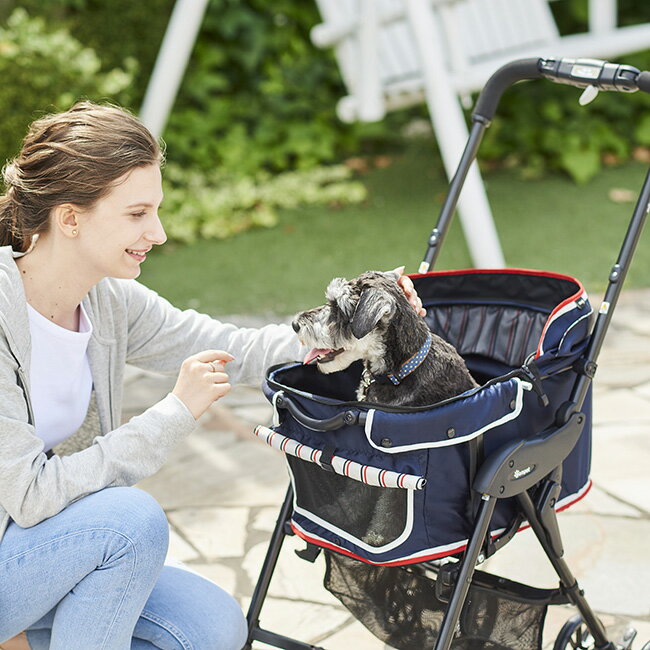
296 326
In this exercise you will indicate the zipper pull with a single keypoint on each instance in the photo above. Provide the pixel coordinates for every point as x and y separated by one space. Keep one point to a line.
531 371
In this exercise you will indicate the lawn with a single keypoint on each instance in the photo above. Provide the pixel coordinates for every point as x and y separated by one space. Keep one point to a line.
549 224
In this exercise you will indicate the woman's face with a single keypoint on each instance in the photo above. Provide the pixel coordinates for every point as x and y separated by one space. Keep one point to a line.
122 227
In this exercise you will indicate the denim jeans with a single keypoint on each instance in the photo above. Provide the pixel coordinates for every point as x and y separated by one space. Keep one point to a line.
92 578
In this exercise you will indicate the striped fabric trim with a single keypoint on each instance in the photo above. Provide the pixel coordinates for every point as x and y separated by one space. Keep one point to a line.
343 466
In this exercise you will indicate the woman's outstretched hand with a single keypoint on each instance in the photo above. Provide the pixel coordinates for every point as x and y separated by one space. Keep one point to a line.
406 284
202 380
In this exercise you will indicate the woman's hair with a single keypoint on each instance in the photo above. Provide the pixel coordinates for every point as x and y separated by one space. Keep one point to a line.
70 157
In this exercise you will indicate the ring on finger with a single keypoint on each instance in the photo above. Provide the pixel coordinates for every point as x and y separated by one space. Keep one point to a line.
211 364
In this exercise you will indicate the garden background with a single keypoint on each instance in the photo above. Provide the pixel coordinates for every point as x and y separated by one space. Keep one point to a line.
268 195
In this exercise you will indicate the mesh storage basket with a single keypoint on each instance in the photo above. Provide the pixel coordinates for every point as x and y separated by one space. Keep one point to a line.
404 607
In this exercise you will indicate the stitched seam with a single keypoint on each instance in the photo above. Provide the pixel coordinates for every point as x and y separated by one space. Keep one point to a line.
125 591
63 537
168 626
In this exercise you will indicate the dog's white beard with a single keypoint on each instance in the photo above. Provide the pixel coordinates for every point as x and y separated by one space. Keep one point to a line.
369 349
339 362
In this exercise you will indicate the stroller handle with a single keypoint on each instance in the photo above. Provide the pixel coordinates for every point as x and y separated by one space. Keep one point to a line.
345 418
581 73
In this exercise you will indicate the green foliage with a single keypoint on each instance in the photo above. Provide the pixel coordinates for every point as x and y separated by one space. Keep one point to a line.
214 205
115 29
45 70
258 94
259 97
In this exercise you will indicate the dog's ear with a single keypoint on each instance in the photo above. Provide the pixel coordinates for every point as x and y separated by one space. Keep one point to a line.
374 304
339 291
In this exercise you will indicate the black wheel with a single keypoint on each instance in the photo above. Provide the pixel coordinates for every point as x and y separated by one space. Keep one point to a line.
575 634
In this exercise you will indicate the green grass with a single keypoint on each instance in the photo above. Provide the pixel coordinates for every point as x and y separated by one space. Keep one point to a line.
549 224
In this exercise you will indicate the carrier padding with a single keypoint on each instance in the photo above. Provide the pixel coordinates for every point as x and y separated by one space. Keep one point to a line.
504 315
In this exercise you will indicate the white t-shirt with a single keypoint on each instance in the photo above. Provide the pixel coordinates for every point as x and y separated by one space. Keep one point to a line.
60 378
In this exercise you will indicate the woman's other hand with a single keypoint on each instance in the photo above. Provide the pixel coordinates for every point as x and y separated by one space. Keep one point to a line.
406 284
202 380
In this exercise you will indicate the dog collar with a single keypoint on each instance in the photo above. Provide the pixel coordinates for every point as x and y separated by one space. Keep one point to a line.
407 367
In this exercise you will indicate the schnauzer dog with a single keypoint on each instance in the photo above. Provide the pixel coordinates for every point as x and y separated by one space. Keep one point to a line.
370 319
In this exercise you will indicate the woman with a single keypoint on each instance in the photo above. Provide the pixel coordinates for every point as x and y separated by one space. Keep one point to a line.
81 551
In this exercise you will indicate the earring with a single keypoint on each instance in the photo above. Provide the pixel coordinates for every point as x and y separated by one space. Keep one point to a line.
74 232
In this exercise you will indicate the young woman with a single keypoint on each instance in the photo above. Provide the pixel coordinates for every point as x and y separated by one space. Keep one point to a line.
81 551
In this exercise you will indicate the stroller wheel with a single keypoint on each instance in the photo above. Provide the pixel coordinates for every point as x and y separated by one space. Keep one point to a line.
575 635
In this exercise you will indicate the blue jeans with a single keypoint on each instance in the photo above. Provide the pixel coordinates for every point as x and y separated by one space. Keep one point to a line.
92 578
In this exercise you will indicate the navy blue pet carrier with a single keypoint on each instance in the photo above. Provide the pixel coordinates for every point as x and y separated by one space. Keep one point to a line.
392 486
406 503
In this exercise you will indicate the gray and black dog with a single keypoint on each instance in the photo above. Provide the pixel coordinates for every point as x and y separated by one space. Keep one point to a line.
370 319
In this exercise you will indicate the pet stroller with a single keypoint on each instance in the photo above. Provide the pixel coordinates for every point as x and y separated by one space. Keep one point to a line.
406 502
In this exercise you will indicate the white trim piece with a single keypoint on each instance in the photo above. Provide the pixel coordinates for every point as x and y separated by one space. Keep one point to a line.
575 322
570 499
554 316
276 412
404 535
512 415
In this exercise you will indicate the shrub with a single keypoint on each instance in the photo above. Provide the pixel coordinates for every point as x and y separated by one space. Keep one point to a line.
214 205
47 70
115 29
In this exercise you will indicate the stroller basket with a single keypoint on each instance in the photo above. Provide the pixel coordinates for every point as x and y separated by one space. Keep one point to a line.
405 607
391 486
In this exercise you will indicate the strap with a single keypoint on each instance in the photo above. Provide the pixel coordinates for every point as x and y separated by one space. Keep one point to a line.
326 457
408 366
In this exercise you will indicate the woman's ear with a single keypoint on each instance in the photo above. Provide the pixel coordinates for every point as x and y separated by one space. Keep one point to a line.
65 219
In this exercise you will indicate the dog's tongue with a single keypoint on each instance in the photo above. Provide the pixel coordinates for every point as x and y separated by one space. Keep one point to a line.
313 354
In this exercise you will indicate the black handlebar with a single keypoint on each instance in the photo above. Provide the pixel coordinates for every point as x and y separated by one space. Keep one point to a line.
575 72
344 418
500 81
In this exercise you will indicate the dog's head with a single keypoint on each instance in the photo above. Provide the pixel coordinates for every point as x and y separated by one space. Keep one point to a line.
352 324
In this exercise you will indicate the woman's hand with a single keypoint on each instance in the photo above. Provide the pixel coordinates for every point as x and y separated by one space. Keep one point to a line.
202 380
406 284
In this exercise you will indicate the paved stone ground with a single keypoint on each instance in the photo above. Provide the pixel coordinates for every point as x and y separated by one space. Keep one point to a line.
222 489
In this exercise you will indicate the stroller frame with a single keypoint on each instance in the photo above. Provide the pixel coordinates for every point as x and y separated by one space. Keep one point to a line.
545 451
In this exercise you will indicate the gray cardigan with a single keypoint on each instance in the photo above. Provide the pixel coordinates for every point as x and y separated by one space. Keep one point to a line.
131 324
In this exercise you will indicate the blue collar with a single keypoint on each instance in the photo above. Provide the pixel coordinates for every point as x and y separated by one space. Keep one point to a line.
407 367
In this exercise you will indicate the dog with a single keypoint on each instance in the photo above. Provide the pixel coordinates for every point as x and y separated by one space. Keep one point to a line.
370 319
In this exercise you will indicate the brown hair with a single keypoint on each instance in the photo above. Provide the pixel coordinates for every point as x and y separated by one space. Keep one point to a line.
70 157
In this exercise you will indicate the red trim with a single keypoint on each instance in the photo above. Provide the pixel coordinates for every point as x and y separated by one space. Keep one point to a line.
422 558
563 304
512 271
343 551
